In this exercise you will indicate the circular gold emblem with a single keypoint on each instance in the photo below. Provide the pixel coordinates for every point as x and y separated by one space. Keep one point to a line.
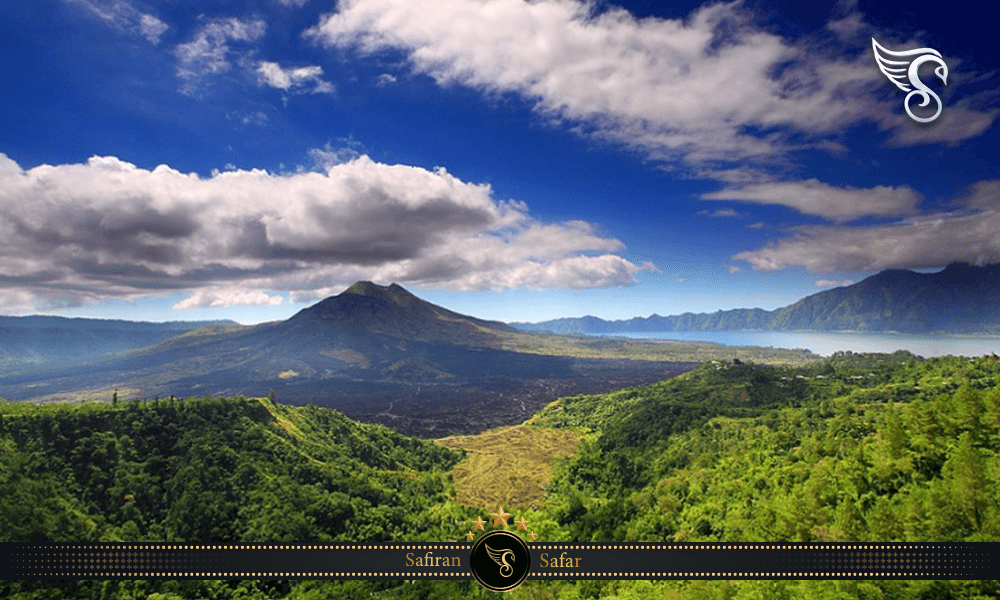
500 561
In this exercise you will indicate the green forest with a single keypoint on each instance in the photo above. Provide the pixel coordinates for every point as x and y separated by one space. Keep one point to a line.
856 447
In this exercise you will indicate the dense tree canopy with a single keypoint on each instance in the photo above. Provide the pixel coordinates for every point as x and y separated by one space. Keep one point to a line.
856 447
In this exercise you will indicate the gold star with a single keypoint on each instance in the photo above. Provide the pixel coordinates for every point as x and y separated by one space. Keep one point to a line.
532 536
500 517
478 523
469 536
521 524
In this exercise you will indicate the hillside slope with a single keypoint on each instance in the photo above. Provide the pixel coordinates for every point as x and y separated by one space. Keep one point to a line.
45 341
211 469
959 299
378 353
852 448
855 448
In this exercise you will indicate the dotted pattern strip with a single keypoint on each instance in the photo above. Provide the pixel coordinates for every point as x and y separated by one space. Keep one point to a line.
938 560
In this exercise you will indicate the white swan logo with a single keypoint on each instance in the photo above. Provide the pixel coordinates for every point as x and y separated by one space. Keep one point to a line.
901 68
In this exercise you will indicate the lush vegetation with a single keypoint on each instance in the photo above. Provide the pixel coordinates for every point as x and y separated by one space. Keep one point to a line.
510 465
657 350
854 447
214 469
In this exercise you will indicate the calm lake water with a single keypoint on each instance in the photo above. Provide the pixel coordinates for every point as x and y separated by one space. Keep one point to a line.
826 344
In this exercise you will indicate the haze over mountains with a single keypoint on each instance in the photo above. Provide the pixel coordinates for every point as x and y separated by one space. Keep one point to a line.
42 341
380 353
377 353
961 298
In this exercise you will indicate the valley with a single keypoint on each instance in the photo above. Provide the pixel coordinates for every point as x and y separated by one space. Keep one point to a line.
853 448
378 354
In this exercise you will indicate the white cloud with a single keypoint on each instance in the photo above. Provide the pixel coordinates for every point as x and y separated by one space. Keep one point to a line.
983 195
121 15
214 298
208 53
721 212
293 79
849 26
958 121
385 79
733 269
832 283
814 197
712 87
17 301
295 3
152 28
259 119
969 234
329 156
109 229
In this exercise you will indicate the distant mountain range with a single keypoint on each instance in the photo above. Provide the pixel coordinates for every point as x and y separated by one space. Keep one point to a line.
961 298
378 353
43 341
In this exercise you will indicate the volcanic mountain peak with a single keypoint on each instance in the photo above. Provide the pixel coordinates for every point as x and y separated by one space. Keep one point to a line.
394 293
393 311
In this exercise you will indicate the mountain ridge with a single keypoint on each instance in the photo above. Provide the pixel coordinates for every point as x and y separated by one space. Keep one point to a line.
395 312
961 298
378 353
36 341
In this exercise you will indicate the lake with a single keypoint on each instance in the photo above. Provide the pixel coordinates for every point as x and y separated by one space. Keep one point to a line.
826 343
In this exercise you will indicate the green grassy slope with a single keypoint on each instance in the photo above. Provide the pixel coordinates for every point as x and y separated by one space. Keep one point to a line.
858 448
854 447
212 469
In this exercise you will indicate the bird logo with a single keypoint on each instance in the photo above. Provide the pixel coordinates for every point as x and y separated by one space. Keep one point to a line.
503 549
500 558
901 68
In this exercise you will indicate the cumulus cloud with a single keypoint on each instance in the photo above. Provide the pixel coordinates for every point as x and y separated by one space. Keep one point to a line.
968 234
293 79
813 197
329 156
713 87
124 17
208 53
109 229
385 79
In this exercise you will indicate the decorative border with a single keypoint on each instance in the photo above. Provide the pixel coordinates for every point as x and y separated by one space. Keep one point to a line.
568 561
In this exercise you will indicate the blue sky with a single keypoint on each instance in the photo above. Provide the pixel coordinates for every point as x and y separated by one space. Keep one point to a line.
510 160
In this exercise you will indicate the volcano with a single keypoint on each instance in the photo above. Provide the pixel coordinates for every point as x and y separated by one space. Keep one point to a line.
376 353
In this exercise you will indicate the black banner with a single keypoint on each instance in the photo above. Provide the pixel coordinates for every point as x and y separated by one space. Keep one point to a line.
548 561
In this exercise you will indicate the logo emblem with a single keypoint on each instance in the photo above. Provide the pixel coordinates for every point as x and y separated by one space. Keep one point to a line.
500 560
500 557
901 69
